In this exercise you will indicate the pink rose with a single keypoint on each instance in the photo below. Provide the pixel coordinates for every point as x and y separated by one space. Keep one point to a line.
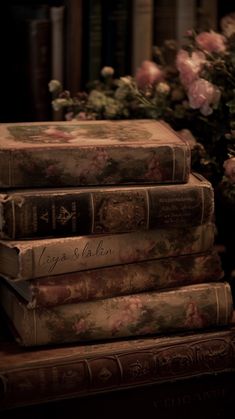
204 96
148 74
189 66
211 41
229 169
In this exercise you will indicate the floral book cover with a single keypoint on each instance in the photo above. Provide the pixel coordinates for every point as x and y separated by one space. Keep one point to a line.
91 153
190 307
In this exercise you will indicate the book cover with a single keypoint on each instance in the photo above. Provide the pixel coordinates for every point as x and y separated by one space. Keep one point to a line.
39 375
123 279
191 307
75 153
28 259
49 212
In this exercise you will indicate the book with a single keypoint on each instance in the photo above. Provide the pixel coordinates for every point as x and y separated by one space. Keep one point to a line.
28 259
189 307
57 17
142 32
207 15
57 45
16 38
116 35
172 20
39 67
73 45
71 211
151 365
123 279
91 153
206 397
92 41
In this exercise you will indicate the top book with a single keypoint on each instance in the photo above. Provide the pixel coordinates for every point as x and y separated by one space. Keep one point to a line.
75 153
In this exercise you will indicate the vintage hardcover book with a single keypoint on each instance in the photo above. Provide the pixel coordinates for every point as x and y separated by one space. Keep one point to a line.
190 307
49 212
207 396
125 279
75 153
57 373
28 259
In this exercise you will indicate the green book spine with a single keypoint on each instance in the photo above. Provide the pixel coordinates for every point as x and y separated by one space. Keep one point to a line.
84 211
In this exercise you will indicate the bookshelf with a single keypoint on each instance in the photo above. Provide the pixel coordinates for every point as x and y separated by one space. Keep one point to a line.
72 40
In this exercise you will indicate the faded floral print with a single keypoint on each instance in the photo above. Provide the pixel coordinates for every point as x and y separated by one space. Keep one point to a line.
190 307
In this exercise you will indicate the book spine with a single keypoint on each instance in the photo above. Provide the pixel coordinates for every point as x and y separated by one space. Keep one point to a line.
54 378
57 15
192 307
123 280
56 256
116 37
104 212
165 14
73 50
172 19
186 19
92 35
40 67
142 36
57 23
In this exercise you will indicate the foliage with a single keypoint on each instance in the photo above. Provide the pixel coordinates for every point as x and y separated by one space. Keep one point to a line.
191 87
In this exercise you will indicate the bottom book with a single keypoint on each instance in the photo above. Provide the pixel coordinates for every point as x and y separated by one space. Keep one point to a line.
178 309
153 371
207 397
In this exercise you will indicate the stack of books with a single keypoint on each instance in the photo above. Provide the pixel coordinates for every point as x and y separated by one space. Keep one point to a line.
107 243
105 234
